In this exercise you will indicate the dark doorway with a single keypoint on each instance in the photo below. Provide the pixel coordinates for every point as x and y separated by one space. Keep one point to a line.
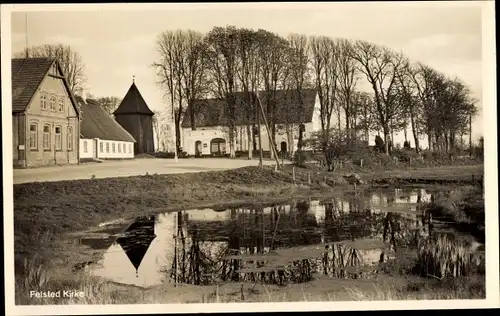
218 147
197 150
283 147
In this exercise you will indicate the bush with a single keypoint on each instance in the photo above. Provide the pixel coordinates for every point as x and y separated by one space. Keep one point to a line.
302 157
406 155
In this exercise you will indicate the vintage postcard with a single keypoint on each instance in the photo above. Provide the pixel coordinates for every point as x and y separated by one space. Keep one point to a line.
296 156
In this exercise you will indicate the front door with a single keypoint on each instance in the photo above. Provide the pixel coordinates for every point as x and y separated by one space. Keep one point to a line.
198 149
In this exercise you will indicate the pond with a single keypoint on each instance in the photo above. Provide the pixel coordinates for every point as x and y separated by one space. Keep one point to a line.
346 236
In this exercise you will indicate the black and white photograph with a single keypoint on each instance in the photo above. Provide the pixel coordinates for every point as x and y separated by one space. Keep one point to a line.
203 156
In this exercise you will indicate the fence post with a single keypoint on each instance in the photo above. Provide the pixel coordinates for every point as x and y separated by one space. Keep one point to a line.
293 174
309 177
361 163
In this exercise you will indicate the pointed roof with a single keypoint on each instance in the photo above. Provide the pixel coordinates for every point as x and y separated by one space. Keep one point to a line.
27 75
133 103
97 123
137 239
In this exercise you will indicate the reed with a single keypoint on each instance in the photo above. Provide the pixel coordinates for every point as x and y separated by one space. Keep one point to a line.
444 257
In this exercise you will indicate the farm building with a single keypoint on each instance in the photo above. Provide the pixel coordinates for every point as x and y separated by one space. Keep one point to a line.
45 116
101 137
134 115
210 138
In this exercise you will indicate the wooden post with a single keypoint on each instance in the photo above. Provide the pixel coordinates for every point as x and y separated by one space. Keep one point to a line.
260 139
175 248
293 174
361 163
271 141
309 177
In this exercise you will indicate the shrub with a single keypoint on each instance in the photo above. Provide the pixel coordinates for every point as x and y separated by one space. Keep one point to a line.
302 157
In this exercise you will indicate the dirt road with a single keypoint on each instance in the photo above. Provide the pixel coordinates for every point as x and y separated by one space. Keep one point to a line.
125 168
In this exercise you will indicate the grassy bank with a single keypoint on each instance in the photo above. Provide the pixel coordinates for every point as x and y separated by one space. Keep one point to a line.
45 212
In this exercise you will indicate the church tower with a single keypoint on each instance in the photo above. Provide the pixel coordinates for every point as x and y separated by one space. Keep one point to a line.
134 115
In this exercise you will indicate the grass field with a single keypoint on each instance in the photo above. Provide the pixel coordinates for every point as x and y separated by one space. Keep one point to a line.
45 213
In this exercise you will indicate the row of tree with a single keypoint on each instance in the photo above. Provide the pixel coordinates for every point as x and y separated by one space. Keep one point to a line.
403 94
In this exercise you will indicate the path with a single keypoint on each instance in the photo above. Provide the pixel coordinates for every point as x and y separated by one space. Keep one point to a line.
125 168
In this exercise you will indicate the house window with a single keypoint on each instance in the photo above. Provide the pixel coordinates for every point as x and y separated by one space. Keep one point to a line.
85 147
70 138
113 147
52 103
43 101
60 107
58 138
46 137
101 147
129 148
33 136
119 147
107 147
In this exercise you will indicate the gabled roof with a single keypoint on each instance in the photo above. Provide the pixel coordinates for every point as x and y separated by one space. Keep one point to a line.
213 112
133 103
97 123
27 75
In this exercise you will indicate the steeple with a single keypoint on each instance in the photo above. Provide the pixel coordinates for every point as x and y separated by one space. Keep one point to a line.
133 102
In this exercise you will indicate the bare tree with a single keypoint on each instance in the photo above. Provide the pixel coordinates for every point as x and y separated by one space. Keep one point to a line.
380 66
222 57
325 60
273 51
347 78
109 104
71 61
300 75
167 74
248 75
182 71
365 111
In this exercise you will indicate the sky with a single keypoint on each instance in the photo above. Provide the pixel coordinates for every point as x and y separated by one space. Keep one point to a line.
117 43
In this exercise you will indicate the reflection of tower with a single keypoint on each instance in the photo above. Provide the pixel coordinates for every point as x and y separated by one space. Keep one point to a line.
137 239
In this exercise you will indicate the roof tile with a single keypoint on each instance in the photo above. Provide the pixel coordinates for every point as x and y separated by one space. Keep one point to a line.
212 112
133 103
97 123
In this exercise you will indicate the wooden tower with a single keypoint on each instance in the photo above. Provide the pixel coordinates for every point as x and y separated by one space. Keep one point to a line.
134 115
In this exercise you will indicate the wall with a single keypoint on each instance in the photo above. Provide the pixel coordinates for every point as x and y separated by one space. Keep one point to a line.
205 135
106 150
91 146
40 156
15 139
146 144
141 128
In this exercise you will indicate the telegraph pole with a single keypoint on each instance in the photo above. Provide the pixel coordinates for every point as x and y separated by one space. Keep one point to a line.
26 29
259 133
175 133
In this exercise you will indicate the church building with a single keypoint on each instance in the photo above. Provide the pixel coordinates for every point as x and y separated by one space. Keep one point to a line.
134 115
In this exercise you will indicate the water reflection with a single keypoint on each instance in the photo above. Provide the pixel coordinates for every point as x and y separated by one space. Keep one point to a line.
270 243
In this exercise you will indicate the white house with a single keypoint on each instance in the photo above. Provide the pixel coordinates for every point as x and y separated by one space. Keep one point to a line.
101 137
210 136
